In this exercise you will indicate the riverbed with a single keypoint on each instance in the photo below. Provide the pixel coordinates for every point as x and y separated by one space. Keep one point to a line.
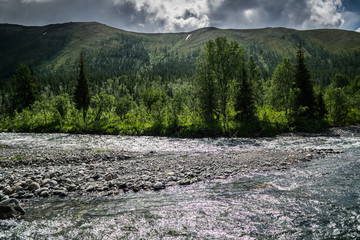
284 187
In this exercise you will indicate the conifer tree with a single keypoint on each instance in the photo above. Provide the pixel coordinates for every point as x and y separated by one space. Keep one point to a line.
205 83
305 99
25 88
82 89
245 103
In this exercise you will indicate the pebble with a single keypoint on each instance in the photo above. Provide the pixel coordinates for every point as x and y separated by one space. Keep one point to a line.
158 186
44 194
109 177
8 190
33 186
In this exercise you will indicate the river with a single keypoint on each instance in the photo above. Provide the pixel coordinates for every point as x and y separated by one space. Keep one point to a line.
318 201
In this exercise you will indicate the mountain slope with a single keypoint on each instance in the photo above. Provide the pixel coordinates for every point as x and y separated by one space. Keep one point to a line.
54 48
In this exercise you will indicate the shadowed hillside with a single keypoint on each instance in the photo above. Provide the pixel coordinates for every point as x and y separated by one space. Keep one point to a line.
55 48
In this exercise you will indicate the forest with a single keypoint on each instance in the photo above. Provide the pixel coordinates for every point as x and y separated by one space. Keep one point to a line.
221 89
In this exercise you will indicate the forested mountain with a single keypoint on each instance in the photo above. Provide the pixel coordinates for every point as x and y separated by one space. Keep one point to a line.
88 77
54 49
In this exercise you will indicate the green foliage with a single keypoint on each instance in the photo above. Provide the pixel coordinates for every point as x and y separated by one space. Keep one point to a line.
25 88
244 102
82 91
152 84
205 83
304 101
222 77
123 106
257 81
337 105
340 80
282 84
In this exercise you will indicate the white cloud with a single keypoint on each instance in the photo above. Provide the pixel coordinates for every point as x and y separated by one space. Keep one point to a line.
173 15
183 15
325 13
357 30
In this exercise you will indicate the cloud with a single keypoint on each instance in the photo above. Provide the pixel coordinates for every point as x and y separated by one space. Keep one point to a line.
325 14
182 15
357 30
170 16
301 14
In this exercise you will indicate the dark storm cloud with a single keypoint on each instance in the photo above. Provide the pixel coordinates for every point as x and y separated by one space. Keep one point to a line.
183 15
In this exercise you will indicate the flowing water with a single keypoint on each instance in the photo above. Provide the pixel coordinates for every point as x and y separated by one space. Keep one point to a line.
319 201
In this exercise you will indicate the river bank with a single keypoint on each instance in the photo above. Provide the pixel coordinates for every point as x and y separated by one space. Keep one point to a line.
32 172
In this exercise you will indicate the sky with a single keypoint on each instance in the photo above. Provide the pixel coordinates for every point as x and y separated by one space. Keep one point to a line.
152 16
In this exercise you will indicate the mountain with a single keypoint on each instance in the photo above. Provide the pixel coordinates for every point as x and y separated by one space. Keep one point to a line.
55 49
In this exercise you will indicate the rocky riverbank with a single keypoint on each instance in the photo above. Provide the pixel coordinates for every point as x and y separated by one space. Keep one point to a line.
28 173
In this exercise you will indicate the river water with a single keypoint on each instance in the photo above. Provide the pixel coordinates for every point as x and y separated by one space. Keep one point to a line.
319 201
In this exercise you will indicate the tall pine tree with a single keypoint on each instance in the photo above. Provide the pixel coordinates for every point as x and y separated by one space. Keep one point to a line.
305 100
82 89
244 102
25 88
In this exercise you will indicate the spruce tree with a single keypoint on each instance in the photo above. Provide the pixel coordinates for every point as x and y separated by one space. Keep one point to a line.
245 103
82 89
305 100
205 83
25 88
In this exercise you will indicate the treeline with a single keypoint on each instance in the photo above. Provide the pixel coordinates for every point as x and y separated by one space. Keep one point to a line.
226 94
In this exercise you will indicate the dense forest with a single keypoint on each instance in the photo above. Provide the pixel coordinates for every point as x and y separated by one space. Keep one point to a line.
218 85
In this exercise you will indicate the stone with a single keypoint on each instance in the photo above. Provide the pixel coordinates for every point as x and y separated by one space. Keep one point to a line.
172 179
51 183
8 190
60 193
2 195
10 208
29 181
10 201
33 186
45 181
40 190
109 177
8 212
158 186
91 188
184 182
71 188
45 194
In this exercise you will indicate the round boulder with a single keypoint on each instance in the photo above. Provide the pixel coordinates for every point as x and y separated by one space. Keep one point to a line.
34 186
158 186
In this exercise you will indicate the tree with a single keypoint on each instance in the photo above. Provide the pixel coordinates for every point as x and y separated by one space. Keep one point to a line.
282 82
101 103
25 87
244 103
341 80
123 106
256 80
337 105
220 63
205 82
305 99
82 89
320 109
